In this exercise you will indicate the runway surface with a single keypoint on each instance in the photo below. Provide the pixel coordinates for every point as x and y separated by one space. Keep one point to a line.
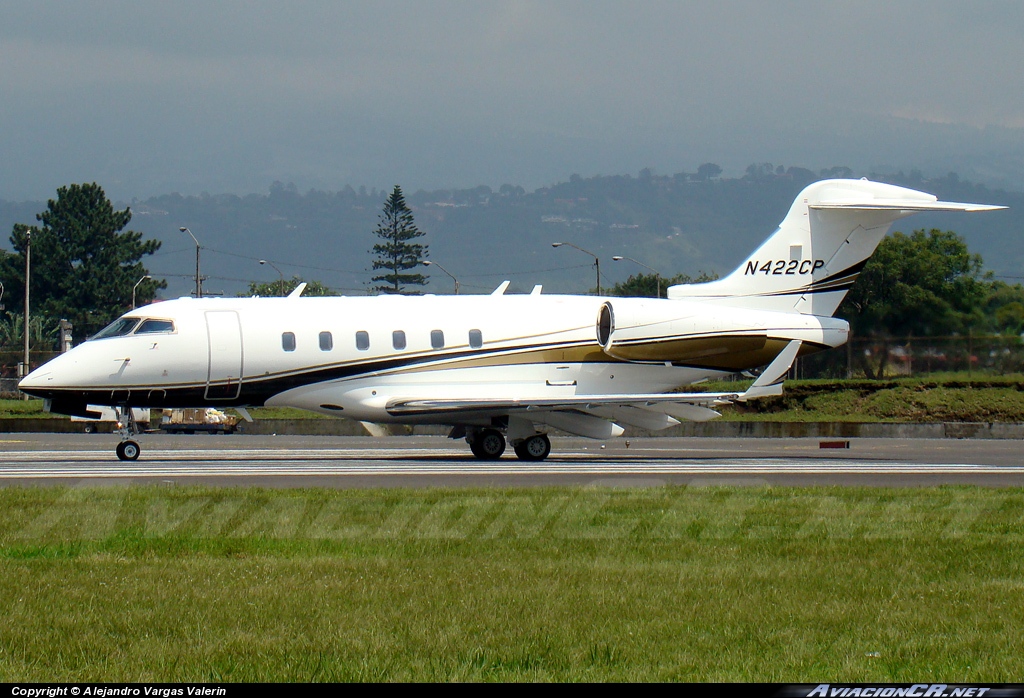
425 461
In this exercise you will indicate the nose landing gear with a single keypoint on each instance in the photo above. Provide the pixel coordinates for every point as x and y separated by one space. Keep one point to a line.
127 427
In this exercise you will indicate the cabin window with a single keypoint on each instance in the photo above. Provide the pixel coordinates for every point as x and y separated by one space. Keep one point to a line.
398 340
476 339
118 328
288 341
154 326
326 341
362 340
437 339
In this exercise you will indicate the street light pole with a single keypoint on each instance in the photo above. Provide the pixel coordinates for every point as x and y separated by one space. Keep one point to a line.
279 274
28 270
147 276
199 285
597 262
429 263
657 276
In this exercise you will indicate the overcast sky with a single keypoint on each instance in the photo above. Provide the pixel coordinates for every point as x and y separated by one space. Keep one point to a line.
189 96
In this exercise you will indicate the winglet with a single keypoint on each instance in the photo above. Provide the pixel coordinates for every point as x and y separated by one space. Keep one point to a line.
770 380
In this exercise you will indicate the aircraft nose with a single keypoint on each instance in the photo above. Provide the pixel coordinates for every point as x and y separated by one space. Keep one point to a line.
39 379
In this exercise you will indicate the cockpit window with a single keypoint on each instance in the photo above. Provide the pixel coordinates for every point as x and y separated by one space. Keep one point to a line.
118 328
151 326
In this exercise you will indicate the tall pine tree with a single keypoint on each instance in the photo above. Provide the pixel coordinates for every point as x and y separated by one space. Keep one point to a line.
397 253
83 266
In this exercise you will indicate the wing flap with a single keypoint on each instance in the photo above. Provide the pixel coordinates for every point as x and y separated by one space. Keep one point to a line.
416 407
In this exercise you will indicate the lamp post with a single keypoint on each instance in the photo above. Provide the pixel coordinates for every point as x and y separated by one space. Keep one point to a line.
279 274
28 268
428 263
657 276
147 276
199 285
597 262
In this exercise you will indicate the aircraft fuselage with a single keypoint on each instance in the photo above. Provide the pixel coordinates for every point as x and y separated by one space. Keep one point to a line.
349 356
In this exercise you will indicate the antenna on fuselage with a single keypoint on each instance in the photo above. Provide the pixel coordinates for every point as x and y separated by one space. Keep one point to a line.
297 290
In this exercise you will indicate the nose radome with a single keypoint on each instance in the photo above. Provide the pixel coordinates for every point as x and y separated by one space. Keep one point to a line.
39 378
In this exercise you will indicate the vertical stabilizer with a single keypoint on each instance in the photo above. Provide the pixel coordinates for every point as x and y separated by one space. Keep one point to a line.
819 249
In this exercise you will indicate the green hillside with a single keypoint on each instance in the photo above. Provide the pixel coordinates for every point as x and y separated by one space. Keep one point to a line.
674 223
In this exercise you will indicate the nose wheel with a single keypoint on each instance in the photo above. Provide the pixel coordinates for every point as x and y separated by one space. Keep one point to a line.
127 427
128 450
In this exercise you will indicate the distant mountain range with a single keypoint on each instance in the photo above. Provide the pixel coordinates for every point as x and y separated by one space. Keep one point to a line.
672 223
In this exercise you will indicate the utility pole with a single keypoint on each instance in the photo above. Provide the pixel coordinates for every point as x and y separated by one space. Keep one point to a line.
597 262
26 365
428 263
147 276
657 274
199 279
280 276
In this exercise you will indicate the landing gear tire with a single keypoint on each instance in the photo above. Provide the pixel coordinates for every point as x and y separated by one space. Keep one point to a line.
535 448
489 444
128 450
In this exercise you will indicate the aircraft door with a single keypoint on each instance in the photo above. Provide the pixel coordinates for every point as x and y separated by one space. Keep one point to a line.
224 380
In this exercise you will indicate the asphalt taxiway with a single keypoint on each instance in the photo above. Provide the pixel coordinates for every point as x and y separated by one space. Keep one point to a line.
434 461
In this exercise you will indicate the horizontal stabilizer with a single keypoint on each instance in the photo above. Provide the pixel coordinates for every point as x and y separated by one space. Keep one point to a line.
902 205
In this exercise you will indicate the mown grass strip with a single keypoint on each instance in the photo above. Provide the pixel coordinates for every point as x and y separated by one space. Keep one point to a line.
673 583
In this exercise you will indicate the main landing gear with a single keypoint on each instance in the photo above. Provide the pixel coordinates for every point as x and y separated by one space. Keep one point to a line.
127 427
489 444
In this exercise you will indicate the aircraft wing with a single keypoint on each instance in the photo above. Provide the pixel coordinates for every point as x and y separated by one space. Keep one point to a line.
650 411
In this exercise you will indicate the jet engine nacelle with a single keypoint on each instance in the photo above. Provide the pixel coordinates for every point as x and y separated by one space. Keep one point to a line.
669 331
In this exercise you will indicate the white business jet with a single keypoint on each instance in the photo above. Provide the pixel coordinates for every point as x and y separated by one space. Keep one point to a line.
498 368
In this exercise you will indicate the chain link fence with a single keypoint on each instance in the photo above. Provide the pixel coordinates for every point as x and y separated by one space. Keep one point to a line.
10 361
876 358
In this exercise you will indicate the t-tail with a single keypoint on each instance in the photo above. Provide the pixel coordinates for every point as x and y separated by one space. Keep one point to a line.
814 258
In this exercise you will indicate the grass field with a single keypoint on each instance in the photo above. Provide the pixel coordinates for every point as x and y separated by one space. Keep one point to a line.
691 584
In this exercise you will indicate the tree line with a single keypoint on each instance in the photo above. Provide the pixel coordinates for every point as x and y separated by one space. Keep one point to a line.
84 267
